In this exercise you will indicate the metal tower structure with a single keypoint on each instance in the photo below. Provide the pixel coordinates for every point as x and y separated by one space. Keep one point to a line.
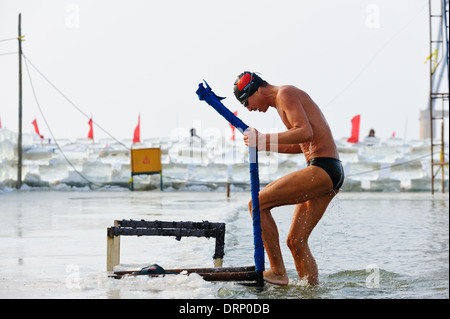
439 94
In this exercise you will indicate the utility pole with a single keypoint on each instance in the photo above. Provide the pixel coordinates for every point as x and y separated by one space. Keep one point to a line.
19 140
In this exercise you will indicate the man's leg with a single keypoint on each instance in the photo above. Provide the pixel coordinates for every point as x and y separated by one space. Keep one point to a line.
293 188
306 216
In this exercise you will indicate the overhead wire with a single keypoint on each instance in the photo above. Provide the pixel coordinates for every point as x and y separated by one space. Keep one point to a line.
72 103
8 39
90 183
366 66
8 53
390 166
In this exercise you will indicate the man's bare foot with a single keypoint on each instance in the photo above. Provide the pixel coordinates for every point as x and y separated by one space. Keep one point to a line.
276 279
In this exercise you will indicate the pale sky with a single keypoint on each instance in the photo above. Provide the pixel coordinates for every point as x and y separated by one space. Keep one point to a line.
118 59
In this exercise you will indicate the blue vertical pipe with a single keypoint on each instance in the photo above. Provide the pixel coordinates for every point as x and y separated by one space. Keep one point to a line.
207 95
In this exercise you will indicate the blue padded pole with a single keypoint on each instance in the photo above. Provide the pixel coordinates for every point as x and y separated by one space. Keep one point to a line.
207 95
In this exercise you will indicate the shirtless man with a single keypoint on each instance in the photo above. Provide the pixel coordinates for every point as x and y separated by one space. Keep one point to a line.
311 189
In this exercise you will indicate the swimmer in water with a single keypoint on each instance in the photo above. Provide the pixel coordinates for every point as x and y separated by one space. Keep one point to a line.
310 189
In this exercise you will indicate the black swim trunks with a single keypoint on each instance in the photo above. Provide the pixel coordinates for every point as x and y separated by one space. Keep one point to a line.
333 167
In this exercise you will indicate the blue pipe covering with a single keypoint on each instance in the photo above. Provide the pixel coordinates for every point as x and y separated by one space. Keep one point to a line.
207 95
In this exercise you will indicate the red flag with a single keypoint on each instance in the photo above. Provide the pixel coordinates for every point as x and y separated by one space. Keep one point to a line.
355 129
232 127
393 134
36 129
137 131
91 130
0 122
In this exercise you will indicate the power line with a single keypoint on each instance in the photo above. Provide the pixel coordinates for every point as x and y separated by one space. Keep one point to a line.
73 104
390 166
372 59
8 53
9 39
51 133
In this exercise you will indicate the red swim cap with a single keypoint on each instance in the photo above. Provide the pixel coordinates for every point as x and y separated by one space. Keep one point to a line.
246 84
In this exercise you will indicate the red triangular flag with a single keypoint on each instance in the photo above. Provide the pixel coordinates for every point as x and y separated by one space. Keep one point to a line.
36 129
393 134
137 131
232 127
355 129
91 130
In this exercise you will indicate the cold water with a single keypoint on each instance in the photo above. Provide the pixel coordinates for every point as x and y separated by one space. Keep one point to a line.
367 245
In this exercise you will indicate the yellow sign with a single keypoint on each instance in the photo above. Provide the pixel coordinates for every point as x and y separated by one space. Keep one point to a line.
145 160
